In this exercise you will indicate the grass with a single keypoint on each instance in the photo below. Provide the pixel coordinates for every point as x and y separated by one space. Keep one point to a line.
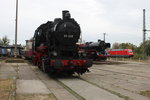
145 93
6 89
11 60
14 61
2 59
50 96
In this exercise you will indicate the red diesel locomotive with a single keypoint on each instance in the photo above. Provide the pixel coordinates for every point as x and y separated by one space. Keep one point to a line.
54 48
120 53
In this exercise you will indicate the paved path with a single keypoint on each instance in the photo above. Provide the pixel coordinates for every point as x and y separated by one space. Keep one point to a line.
112 82
56 89
89 91
33 81
7 71
127 80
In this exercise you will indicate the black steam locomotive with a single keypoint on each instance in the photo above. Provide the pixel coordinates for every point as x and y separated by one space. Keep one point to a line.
94 50
54 47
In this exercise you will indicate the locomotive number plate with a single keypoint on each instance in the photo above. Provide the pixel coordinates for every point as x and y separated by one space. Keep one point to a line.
68 36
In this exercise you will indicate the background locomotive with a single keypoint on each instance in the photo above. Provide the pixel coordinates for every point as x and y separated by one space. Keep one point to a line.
124 53
28 49
94 50
54 48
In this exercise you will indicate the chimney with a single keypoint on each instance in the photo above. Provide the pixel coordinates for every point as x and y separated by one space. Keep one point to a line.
63 13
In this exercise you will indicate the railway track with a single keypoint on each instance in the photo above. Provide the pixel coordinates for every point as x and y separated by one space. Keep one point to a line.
76 86
80 88
112 84
128 79
54 84
89 90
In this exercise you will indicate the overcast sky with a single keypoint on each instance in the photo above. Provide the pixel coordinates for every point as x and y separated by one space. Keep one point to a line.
120 19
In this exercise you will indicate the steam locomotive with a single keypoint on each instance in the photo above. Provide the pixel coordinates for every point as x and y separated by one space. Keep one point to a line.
54 48
94 50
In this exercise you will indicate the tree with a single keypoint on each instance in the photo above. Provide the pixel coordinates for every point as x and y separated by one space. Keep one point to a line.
137 50
127 46
147 47
115 45
140 49
4 41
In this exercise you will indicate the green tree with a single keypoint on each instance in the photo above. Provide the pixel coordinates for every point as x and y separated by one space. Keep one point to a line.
140 49
137 50
4 41
127 46
147 47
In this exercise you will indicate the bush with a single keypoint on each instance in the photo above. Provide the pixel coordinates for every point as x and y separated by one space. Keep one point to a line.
137 56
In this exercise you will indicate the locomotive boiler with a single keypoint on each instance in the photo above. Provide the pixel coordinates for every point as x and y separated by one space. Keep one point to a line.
54 47
94 50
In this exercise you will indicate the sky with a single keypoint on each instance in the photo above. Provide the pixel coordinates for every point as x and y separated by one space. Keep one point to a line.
121 20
